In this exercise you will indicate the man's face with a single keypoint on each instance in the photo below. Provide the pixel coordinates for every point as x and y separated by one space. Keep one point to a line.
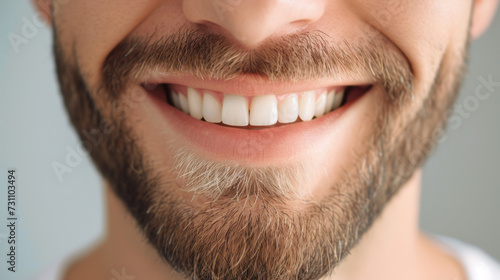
253 138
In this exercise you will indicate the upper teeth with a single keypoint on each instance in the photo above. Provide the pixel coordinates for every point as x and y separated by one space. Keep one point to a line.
262 110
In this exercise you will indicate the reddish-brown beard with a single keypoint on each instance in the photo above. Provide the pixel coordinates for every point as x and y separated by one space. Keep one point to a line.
267 239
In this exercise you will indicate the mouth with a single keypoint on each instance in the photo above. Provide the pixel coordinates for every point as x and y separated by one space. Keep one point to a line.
255 111
225 121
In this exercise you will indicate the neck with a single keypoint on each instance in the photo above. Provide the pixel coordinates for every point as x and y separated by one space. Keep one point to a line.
393 248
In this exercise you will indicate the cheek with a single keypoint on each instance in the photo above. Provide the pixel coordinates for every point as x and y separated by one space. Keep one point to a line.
422 30
90 29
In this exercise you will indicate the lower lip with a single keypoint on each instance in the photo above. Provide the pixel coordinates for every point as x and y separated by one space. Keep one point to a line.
273 144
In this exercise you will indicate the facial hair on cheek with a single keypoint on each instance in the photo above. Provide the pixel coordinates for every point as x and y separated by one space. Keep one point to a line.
269 240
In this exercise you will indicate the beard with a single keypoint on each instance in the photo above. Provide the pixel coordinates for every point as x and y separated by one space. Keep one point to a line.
269 238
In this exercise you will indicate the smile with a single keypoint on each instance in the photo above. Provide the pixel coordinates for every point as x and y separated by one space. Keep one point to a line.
246 123
249 112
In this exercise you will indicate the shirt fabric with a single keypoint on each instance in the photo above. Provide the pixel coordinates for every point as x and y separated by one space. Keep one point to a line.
477 263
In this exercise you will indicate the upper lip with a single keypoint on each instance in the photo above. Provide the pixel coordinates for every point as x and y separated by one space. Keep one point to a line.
252 85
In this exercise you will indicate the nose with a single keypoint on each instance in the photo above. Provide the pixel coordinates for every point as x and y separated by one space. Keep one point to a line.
252 21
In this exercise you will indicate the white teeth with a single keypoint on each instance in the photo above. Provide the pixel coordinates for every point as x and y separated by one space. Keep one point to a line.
175 99
339 96
195 103
184 105
235 110
264 110
306 106
320 105
330 99
288 109
211 109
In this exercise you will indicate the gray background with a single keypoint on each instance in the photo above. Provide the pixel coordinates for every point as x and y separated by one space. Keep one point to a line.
460 197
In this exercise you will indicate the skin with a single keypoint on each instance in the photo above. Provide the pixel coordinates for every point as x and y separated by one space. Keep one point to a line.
425 32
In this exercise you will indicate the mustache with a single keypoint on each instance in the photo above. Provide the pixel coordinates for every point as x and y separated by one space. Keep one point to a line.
292 57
